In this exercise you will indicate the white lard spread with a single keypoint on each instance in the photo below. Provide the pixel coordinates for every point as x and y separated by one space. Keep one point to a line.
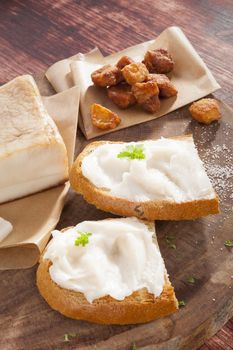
171 170
119 259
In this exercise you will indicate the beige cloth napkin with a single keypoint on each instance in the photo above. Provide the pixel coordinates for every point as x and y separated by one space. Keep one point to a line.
190 75
34 217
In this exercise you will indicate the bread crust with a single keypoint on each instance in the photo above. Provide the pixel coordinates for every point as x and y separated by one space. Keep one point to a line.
139 307
149 210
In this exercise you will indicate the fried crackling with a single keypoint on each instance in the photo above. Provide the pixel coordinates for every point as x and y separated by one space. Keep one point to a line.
144 91
152 105
135 73
107 76
205 110
104 118
124 61
121 95
158 61
166 87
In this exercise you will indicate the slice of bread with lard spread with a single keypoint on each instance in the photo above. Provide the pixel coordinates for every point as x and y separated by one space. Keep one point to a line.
108 271
161 179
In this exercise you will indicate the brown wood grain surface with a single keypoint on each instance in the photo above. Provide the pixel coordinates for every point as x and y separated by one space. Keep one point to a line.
34 34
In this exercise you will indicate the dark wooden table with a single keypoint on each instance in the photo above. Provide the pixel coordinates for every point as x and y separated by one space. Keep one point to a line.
34 34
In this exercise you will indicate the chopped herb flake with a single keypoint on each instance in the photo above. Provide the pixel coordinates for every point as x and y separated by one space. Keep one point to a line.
132 152
228 243
191 280
66 337
181 303
170 241
83 238
173 246
134 347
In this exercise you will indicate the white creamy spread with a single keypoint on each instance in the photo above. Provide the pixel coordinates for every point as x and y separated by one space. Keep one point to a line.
119 259
171 170
5 228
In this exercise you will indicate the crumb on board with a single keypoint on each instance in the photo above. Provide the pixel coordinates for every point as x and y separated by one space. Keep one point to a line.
220 175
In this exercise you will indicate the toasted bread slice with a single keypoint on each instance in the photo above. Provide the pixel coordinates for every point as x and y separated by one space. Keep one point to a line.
150 209
140 307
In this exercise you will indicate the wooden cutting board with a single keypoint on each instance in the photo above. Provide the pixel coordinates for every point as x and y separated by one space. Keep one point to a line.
29 323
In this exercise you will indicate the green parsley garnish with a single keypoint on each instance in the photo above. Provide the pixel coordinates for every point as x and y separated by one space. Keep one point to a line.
83 238
132 152
181 303
134 347
191 280
228 243
67 335
170 241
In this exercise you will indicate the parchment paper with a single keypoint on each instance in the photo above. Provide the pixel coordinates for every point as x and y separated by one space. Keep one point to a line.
190 75
60 74
34 217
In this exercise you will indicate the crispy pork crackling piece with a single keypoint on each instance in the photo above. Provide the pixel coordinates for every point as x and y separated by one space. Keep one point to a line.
103 118
152 105
135 73
158 61
107 76
121 95
124 61
144 91
205 110
166 87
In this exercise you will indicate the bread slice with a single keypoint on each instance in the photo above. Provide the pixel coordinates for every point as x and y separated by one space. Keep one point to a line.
140 307
150 209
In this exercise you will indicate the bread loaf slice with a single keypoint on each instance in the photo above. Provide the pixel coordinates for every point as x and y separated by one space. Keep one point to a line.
139 307
152 209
